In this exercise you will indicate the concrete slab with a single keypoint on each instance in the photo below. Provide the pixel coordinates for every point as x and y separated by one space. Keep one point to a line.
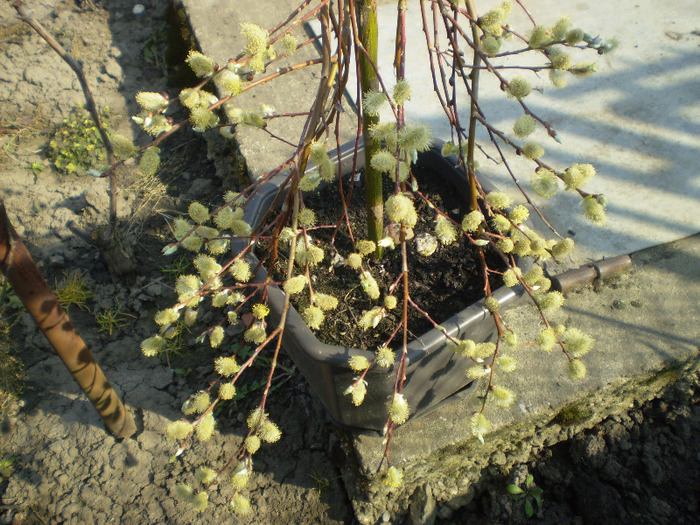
638 121
647 328
294 92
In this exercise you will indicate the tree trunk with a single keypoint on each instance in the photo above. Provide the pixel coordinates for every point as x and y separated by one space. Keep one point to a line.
34 292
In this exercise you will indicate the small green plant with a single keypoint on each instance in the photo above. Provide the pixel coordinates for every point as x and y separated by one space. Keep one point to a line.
179 266
113 319
322 482
76 145
36 167
7 466
530 493
153 51
73 291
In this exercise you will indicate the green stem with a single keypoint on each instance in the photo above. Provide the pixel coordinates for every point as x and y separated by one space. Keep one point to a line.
473 112
367 22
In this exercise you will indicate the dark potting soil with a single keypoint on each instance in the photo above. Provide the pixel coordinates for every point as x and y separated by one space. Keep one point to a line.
441 284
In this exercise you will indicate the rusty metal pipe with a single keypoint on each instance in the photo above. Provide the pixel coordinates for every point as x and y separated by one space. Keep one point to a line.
573 279
36 295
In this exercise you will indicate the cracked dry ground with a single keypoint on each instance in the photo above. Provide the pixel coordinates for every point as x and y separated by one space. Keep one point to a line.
638 467
68 469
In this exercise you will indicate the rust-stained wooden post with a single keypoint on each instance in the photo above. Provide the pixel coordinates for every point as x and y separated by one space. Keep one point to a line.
36 295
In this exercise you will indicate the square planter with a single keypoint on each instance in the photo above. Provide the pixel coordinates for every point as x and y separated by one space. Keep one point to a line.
435 375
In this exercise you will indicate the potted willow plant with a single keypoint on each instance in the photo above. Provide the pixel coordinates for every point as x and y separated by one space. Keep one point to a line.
274 217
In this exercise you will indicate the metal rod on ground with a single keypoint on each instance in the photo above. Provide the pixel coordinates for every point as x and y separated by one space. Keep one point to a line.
585 275
36 295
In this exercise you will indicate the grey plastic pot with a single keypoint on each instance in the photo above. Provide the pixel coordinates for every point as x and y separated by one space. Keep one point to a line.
434 376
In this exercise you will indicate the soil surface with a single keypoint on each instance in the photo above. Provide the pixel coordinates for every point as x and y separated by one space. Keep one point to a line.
639 467
442 284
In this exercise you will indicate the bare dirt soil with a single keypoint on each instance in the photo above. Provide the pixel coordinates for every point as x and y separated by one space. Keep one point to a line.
67 469
640 467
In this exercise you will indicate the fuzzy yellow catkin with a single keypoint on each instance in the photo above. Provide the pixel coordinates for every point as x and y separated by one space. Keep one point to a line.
183 491
532 150
255 418
257 39
545 183
415 137
472 221
358 363
226 366
504 396
205 475
398 409
463 347
383 161
577 343
227 391
479 426
200 64
577 175
372 102
594 211
227 82
519 87
240 505
506 363
384 356
252 444
577 370
240 270
269 432
499 200
202 119
366 247
563 248
402 92
216 336
205 427
538 37
295 284
510 340
357 391
390 302
288 44
550 302
492 304
149 162
167 316
445 230
524 126
546 339
307 218
178 429
491 45
152 346
369 285
313 317
557 78
325 302
500 223
510 277
151 102
207 266
574 36
505 245
393 477
200 501
255 334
